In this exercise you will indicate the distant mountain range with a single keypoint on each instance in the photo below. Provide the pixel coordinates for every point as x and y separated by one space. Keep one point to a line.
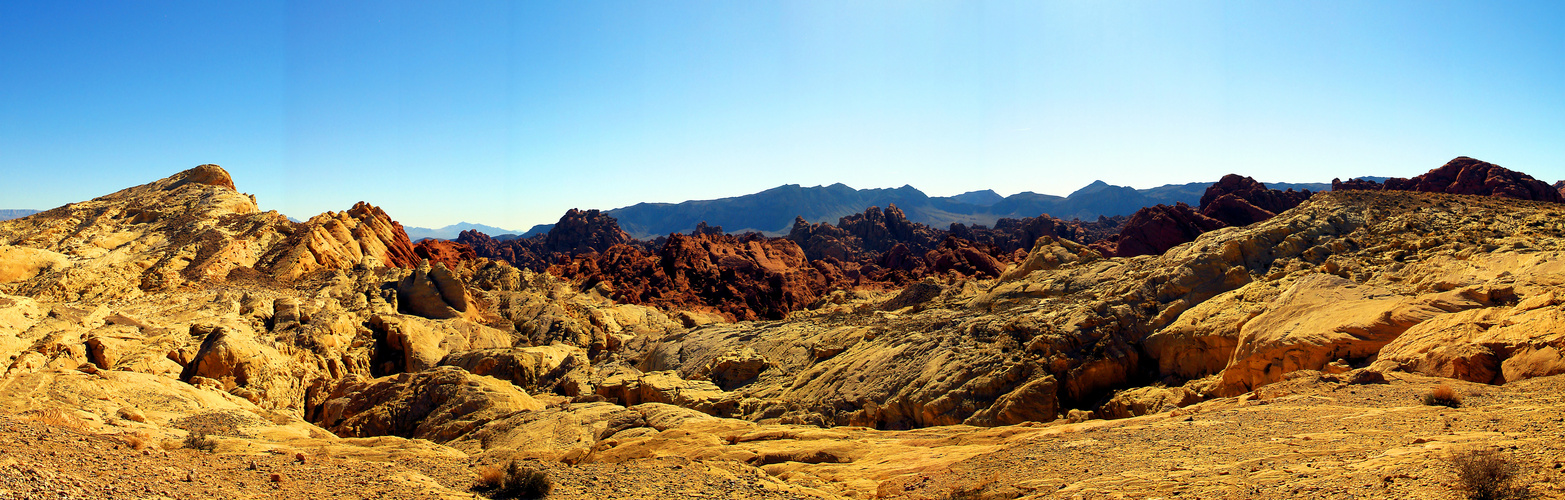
15 213
772 211
450 232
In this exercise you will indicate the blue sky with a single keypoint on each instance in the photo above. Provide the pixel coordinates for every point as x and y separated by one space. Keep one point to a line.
509 113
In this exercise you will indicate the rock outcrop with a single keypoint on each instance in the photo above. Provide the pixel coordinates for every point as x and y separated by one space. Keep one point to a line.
741 278
1241 201
587 231
439 404
363 235
1154 230
1464 175
444 252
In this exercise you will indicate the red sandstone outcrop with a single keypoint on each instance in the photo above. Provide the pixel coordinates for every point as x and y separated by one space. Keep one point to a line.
1240 201
1464 175
1154 230
1017 236
524 253
859 237
741 278
444 252
1232 201
577 232
580 232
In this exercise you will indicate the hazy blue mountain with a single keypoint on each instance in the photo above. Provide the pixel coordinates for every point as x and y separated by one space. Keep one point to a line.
450 232
772 211
983 198
15 213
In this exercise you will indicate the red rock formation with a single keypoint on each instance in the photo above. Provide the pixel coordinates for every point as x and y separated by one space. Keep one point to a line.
1154 230
585 231
742 278
1010 236
444 252
1560 186
1465 175
1240 201
524 253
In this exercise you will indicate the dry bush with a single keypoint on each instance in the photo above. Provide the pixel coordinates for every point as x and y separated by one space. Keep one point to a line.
514 481
1487 475
199 440
1443 396
135 442
960 493
490 477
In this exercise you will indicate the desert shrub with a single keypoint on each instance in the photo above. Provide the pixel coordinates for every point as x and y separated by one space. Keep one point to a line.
135 442
199 440
1443 396
490 477
514 481
960 493
1487 475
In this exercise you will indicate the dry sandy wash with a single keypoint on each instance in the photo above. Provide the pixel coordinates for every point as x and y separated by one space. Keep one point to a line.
172 340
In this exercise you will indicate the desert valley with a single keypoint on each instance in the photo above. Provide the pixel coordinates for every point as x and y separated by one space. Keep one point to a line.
176 340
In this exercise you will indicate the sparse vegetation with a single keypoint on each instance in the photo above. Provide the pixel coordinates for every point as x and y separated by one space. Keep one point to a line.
1443 396
199 440
960 493
514 481
135 442
1487 475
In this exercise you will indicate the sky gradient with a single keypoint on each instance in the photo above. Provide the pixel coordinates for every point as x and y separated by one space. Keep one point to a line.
509 113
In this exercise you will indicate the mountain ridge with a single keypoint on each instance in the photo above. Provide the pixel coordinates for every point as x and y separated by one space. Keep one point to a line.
772 211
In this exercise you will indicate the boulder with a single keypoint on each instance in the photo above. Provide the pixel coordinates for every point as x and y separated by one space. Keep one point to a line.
433 292
440 404
423 343
555 368
736 368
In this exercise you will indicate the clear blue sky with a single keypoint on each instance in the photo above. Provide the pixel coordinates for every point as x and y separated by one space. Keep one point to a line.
509 113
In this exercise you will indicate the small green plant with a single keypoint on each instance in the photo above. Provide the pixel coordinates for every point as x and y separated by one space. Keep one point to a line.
1487 475
514 481
199 440
1443 396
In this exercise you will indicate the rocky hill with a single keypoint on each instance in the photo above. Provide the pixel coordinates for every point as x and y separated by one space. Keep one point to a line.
196 346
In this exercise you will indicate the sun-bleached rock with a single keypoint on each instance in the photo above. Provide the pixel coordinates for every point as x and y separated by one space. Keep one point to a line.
439 404
1320 319
423 342
555 368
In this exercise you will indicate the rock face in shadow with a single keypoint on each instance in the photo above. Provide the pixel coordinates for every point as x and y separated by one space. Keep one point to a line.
1240 201
1154 230
1231 202
524 253
586 231
1464 175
